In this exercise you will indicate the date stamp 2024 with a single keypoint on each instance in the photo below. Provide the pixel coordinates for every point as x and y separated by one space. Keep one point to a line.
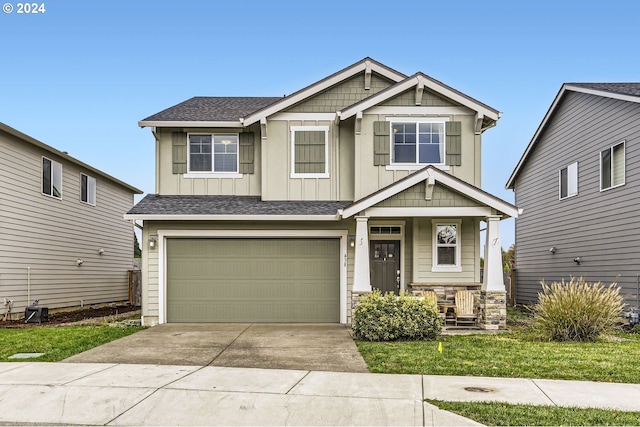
24 8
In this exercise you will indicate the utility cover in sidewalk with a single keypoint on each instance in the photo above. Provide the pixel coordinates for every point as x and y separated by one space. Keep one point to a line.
25 355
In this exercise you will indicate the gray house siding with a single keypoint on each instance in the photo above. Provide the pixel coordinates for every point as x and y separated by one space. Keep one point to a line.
600 227
42 237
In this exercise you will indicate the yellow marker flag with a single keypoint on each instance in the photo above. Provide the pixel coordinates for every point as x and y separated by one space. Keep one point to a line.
440 347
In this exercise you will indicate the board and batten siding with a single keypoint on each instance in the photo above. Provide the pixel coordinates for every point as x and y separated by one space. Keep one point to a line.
602 228
41 237
170 183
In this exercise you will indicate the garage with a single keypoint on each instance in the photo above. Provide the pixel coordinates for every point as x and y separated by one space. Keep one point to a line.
253 280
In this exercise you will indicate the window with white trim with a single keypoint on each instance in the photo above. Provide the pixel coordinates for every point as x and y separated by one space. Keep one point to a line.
88 189
418 142
309 151
612 166
568 181
446 245
213 153
51 178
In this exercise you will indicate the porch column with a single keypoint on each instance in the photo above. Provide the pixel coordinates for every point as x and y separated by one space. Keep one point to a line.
493 279
493 301
361 279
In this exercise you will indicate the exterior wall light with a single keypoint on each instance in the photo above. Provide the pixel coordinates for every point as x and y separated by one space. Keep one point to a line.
577 260
152 242
553 249
352 241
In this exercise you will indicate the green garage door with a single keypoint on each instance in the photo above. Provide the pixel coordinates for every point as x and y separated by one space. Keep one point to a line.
253 280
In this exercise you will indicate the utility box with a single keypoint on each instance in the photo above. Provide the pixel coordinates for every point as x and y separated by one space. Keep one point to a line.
34 314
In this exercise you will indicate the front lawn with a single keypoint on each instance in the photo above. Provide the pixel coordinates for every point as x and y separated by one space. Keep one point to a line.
57 343
506 414
516 354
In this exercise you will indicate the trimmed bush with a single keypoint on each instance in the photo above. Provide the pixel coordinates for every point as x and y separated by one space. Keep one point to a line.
577 311
390 317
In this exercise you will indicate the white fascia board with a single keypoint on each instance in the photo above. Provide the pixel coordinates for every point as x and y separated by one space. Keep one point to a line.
442 177
195 124
461 99
441 212
150 217
319 87
304 116
602 93
251 233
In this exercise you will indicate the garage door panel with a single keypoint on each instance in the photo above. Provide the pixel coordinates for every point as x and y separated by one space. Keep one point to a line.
253 280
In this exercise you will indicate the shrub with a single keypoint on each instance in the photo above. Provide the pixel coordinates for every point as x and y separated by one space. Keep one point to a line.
390 317
577 311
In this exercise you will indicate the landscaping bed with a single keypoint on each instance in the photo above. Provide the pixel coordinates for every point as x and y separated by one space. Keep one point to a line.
77 316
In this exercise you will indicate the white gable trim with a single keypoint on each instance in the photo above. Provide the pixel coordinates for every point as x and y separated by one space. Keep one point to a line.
419 80
430 172
603 93
195 124
318 87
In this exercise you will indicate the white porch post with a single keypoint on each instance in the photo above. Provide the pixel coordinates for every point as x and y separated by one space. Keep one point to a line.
493 279
361 279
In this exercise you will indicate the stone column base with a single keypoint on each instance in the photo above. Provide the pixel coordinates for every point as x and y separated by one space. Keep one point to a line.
493 310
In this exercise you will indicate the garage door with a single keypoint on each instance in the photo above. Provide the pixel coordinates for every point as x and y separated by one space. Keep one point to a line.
253 280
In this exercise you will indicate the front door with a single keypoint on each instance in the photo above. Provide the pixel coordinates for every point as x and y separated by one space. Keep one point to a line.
385 265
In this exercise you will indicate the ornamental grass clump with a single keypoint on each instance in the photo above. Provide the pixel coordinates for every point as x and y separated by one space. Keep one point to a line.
391 317
577 311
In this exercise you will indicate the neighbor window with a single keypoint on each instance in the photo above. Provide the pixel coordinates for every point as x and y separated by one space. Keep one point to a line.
310 151
612 166
418 142
213 153
446 246
51 178
88 189
568 181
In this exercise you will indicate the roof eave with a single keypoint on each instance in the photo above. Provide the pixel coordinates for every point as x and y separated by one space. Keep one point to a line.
191 123
190 217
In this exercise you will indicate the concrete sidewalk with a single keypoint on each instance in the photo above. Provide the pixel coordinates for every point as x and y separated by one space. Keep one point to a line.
119 394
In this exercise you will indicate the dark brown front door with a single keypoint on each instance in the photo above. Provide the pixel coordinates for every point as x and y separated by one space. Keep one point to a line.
385 265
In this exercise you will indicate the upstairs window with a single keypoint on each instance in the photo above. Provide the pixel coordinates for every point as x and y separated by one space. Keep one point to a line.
612 165
310 151
568 178
88 189
51 178
217 153
418 142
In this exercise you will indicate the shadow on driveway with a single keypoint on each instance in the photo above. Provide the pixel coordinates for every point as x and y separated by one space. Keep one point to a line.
312 347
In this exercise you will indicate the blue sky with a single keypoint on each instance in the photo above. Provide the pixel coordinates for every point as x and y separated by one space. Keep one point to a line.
81 75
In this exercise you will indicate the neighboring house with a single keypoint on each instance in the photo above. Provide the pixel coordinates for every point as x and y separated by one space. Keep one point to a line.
286 209
578 184
63 238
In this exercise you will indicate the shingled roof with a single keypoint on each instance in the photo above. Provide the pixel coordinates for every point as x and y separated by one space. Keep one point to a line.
212 108
154 204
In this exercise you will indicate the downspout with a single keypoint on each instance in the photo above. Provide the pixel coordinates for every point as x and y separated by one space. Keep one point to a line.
28 285
157 183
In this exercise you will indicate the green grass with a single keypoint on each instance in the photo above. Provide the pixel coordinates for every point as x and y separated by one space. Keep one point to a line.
517 354
506 414
57 343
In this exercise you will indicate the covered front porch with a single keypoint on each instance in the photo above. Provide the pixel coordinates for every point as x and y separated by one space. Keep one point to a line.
435 248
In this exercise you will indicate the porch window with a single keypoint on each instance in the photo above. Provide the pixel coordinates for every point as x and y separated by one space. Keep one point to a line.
446 246
421 142
88 189
51 178
612 166
216 153
568 178
310 151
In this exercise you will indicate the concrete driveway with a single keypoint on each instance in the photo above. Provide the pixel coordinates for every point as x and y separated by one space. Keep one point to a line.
312 347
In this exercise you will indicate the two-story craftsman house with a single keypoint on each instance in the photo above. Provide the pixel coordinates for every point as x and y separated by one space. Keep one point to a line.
284 209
